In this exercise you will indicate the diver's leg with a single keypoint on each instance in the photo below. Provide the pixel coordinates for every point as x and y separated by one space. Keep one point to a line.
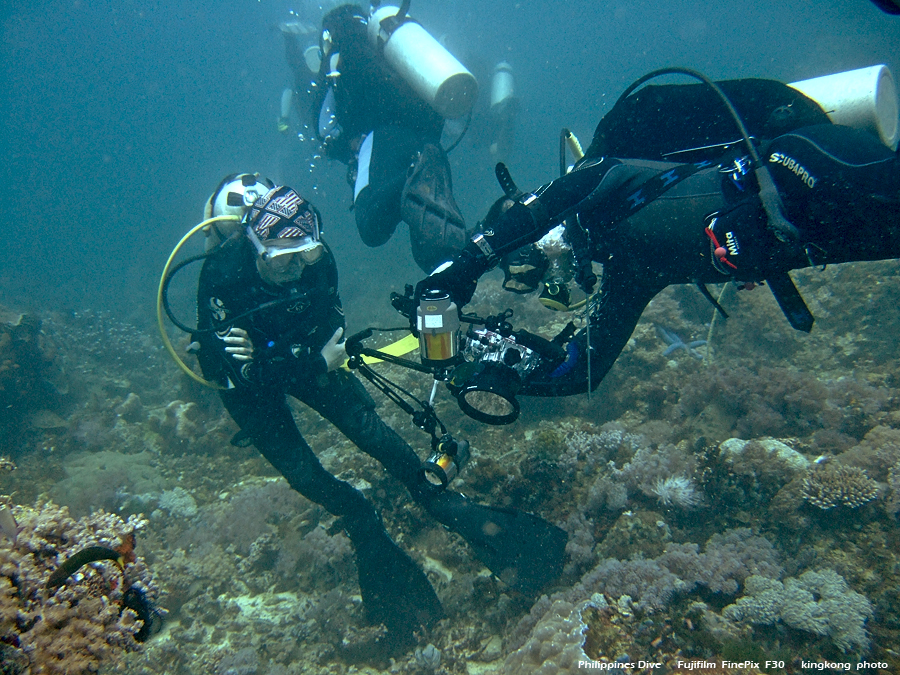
293 54
345 403
622 299
395 591
384 158
521 549
267 420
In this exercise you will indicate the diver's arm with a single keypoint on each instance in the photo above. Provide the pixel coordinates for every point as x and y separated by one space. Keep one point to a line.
267 362
279 366
622 299
524 221
299 354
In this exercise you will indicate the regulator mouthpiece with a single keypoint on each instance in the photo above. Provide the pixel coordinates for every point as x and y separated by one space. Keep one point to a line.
437 320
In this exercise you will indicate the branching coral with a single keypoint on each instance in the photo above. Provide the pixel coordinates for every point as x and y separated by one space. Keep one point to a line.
81 624
831 484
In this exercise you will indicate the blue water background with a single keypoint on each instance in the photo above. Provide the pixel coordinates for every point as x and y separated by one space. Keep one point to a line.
120 117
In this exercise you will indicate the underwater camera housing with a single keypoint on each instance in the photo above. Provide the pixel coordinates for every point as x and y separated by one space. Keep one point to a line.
484 369
487 372
486 383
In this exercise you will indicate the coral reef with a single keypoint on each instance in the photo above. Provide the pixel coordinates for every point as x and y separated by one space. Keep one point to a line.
556 644
666 466
259 580
82 624
818 602
726 561
675 491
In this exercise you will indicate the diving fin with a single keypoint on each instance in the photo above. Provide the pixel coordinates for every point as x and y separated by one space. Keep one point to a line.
437 230
395 591
522 550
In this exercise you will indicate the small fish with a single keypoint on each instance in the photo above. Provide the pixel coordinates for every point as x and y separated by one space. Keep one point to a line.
8 525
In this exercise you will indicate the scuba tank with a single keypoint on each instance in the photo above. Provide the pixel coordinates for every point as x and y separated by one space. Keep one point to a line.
864 99
502 86
504 107
433 72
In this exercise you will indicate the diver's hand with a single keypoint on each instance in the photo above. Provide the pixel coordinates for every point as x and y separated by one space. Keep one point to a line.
334 352
283 126
453 278
238 344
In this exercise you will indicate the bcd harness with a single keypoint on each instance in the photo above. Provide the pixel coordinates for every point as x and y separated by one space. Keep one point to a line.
780 283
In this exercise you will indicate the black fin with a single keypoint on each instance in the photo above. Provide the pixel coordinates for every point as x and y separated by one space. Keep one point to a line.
395 591
522 550
790 301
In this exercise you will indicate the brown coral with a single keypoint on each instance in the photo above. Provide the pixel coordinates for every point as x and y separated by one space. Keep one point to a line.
80 625
830 484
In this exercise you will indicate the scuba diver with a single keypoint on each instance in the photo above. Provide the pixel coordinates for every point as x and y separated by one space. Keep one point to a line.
370 118
695 196
270 325
301 52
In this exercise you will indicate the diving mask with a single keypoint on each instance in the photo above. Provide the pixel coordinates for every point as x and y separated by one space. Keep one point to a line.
278 252
282 261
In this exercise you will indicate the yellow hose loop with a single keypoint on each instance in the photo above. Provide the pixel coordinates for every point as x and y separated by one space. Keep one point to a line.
159 299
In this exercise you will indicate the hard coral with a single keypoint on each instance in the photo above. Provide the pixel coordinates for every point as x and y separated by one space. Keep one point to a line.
75 628
831 484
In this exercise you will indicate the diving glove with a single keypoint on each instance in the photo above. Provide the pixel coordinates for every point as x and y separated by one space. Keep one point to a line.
334 352
458 279
523 269
238 344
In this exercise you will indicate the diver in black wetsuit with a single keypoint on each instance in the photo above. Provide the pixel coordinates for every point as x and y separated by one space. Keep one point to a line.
269 326
678 202
369 118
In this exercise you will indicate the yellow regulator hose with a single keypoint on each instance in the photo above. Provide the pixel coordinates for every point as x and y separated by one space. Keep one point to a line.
159 299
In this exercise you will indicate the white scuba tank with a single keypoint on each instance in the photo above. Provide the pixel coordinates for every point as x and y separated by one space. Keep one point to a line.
865 98
502 85
287 96
433 72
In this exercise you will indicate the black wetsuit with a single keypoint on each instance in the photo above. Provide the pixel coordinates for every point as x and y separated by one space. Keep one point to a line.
288 337
369 98
288 326
646 220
